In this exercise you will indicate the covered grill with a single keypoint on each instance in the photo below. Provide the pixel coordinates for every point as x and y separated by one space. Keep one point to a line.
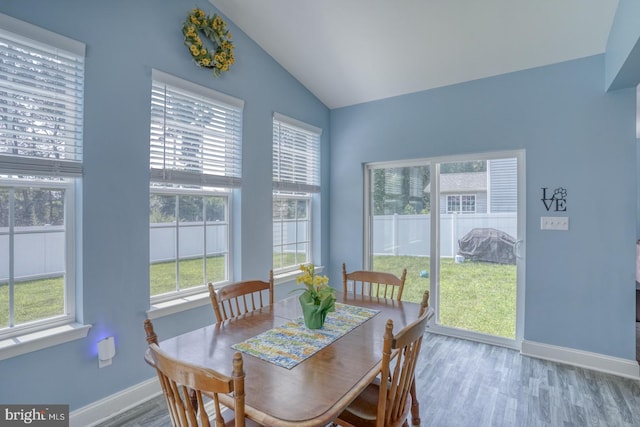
488 245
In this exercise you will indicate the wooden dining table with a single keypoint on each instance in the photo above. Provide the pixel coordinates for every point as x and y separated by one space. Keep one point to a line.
318 389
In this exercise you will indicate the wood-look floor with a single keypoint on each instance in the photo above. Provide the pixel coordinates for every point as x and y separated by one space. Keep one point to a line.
152 413
463 383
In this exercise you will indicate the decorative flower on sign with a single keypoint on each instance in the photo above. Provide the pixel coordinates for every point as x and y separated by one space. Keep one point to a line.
220 57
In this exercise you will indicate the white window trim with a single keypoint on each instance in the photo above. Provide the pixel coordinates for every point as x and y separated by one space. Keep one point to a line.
462 204
185 303
288 190
459 196
163 305
69 315
211 158
185 299
435 162
23 344
35 33
286 181
288 276
195 88
61 330
293 270
178 304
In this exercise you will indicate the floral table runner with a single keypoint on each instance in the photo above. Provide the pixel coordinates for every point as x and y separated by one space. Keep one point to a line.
293 342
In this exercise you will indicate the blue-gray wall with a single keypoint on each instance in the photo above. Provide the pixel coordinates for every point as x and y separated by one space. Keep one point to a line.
623 47
580 288
623 58
125 39
580 284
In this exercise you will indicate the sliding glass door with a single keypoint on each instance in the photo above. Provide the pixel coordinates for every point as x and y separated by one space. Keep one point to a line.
400 224
456 225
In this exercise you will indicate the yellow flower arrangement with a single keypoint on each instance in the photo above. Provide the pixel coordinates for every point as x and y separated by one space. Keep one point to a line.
318 297
220 57
317 286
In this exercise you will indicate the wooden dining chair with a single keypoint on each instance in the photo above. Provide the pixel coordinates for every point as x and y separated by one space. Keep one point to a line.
387 403
373 283
184 385
241 297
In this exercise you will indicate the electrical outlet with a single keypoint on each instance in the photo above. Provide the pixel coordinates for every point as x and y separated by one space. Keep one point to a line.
554 223
106 351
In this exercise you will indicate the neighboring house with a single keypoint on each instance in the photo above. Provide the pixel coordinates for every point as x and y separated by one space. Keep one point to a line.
464 192
503 185
480 192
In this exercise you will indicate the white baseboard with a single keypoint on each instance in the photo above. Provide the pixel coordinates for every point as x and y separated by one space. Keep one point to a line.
106 408
584 359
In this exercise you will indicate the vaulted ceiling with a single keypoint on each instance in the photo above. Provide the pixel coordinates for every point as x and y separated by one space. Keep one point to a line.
352 51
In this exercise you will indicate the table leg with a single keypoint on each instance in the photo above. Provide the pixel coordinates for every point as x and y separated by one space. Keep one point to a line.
415 405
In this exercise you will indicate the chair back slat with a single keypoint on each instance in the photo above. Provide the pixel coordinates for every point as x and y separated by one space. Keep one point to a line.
387 401
240 298
184 385
403 348
373 283
152 338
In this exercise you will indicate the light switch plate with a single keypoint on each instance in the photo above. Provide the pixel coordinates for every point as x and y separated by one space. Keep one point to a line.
554 223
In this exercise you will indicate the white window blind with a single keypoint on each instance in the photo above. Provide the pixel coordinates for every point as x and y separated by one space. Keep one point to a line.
296 155
41 101
196 134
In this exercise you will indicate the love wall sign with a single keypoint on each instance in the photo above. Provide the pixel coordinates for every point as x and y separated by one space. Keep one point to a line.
556 201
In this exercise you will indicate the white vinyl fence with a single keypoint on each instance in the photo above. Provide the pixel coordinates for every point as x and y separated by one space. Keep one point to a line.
410 235
162 240
39 251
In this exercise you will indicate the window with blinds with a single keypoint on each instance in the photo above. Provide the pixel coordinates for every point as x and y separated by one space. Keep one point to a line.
41 133
296 177
41 102
296 155
195 160
196 134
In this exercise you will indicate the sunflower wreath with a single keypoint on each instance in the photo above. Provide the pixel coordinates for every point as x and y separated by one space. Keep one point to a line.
220 57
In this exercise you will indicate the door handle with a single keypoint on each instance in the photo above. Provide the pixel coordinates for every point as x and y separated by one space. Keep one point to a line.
516 248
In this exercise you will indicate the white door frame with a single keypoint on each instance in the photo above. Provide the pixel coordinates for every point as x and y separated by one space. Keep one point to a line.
434 164
520 246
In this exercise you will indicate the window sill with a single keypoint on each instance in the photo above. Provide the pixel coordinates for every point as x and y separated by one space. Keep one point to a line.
291 275
166 308
22 344
281 278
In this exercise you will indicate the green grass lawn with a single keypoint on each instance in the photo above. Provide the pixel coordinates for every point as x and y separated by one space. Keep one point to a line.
478 296
40 299
33 300
163 274
473 295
